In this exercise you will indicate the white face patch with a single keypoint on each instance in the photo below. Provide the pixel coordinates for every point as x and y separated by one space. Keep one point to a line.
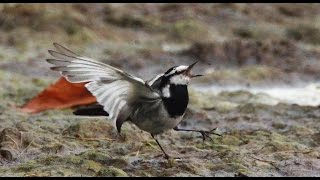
166 91
180 79
181 68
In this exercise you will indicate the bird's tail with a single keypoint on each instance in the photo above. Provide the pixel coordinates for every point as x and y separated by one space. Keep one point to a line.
91 110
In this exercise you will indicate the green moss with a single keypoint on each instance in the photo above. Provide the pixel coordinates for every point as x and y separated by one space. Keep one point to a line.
301 131
19 14
244 32
50 160
74 160
257 73
189 167
230 140
292 10
253 108
279 125
26 167
279 143
20 88
53 148
70 26
112 172
90 129
84 35
92 166
259 136
258 32
236 96
127 21
189 29
201 146
96 156
135 21
208 101
104 158
304 32
200 99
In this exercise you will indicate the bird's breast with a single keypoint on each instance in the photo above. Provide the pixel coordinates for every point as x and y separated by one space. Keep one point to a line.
177 102
154 118
162 114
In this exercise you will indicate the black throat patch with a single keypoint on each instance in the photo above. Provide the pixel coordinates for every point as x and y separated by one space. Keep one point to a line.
177 103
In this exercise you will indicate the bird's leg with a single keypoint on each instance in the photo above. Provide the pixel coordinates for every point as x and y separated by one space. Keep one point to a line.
205 134
165 154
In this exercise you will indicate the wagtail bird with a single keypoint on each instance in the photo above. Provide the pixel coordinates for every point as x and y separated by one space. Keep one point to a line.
155 106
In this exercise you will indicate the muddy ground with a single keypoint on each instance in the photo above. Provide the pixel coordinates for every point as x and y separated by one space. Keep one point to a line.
237 44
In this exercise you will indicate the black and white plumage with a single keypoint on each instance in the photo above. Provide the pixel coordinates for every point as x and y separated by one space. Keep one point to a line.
155 106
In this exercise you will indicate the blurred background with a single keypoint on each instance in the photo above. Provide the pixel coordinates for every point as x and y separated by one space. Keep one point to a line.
236 44
261 64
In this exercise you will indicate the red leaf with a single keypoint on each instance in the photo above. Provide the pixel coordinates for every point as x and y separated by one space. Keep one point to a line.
62 94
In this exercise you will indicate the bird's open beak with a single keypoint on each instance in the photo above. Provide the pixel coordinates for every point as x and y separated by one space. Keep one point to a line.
189 71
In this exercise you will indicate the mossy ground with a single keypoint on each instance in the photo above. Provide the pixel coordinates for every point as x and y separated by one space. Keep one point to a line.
259 138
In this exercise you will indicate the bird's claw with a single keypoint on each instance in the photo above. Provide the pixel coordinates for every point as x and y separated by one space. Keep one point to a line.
206 134
168 157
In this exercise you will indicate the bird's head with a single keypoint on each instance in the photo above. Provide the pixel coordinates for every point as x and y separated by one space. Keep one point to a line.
180 75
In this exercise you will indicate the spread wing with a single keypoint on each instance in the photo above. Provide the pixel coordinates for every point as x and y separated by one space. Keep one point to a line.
154 83
113 88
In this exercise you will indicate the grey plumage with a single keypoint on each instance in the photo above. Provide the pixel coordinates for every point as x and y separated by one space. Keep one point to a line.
155 106
122 95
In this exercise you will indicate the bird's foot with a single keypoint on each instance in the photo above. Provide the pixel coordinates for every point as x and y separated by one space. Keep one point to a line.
168 157
206 134
121 137
171 157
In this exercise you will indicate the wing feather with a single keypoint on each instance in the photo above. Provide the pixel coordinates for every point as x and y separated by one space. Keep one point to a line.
65 50
113 88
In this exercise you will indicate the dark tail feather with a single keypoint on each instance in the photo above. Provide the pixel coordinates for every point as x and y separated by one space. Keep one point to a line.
92 110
